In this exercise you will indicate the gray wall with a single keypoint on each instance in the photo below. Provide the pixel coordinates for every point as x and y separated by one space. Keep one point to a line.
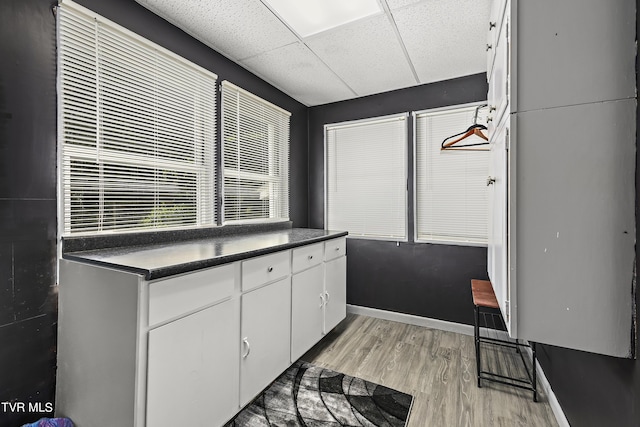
593 390
28 312
433 280
415 278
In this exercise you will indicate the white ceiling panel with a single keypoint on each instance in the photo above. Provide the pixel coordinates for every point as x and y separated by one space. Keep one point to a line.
445 38
397 4
411 42
297 71
236 28
372 60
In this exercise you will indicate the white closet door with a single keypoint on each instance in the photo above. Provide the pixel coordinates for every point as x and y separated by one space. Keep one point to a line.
497 250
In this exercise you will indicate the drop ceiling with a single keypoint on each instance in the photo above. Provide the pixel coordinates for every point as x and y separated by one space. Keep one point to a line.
408 43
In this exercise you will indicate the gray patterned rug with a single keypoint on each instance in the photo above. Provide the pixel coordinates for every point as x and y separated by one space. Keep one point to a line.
310 396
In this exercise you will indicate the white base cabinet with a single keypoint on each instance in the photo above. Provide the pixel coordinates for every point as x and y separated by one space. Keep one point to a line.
265 324
191 349
319 298
307 296
192 373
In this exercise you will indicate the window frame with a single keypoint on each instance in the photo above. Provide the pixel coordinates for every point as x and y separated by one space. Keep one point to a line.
272 155
391 117
416 239
203 167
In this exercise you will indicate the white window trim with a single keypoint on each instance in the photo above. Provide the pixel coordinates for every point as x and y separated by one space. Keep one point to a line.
260 177
61 199
414 115
400 116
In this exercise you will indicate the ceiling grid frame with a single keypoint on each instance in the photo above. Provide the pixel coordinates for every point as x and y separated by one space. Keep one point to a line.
436 39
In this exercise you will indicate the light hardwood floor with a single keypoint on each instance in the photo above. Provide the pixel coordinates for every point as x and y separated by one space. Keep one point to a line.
436 367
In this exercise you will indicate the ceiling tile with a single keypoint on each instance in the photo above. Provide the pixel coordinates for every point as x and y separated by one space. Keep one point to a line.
396 4
445 38
366 54
297 71
237 29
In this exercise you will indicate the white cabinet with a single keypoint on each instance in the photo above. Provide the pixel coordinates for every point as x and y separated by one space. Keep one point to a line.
192 372
335 292
318 297
307 297
194 348
562 223
265 343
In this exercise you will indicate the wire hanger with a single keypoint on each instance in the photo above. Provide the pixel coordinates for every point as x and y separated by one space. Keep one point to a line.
475 129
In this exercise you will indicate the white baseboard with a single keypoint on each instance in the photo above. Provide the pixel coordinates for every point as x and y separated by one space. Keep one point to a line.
459 328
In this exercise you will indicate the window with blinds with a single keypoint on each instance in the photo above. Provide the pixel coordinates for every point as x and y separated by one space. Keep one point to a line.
255 158
450 186
366 177
137 130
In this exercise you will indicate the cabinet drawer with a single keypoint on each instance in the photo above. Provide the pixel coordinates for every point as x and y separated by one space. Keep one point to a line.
171 298
335 248
264 269
306 256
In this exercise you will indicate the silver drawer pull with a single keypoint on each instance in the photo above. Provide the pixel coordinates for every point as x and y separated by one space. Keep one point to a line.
338 248
326 297
310 257
490 180
492 25
245 341
270 269
322 302
489 47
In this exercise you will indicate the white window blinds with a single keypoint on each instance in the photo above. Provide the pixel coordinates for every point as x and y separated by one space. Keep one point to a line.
255 156
137 130
450 187
366 177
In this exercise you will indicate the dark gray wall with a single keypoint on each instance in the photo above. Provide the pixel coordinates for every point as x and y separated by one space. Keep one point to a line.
433 280
596 390
27 204
415 278
28 312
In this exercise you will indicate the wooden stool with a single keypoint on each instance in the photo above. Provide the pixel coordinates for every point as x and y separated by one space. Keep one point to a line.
485 298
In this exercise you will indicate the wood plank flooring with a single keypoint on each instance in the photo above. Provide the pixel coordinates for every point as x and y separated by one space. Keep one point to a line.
437 368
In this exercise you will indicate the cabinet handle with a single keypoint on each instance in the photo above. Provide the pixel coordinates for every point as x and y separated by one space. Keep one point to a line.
338 248
245 340
321 300
326 297
492 25
490 180
489 119
270 269
492 108
489 47
310 257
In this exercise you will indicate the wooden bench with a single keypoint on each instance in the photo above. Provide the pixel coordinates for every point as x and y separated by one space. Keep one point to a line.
484 300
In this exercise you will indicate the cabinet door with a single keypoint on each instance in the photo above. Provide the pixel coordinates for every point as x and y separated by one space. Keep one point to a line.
497 248
193 369
265 326
499 83
307 297
335 287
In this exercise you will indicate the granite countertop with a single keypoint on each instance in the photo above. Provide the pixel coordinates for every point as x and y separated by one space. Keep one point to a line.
154 261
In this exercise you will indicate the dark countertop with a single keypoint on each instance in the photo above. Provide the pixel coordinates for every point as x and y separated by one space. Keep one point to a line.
154 261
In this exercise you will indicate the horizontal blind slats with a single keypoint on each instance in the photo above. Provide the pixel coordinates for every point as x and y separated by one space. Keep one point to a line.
451 193
138 129
255 141
366 178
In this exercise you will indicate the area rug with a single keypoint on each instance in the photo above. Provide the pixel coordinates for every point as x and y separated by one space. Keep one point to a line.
309 396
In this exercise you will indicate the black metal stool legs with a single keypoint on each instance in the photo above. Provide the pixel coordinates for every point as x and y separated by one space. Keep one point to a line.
534 373
476 336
